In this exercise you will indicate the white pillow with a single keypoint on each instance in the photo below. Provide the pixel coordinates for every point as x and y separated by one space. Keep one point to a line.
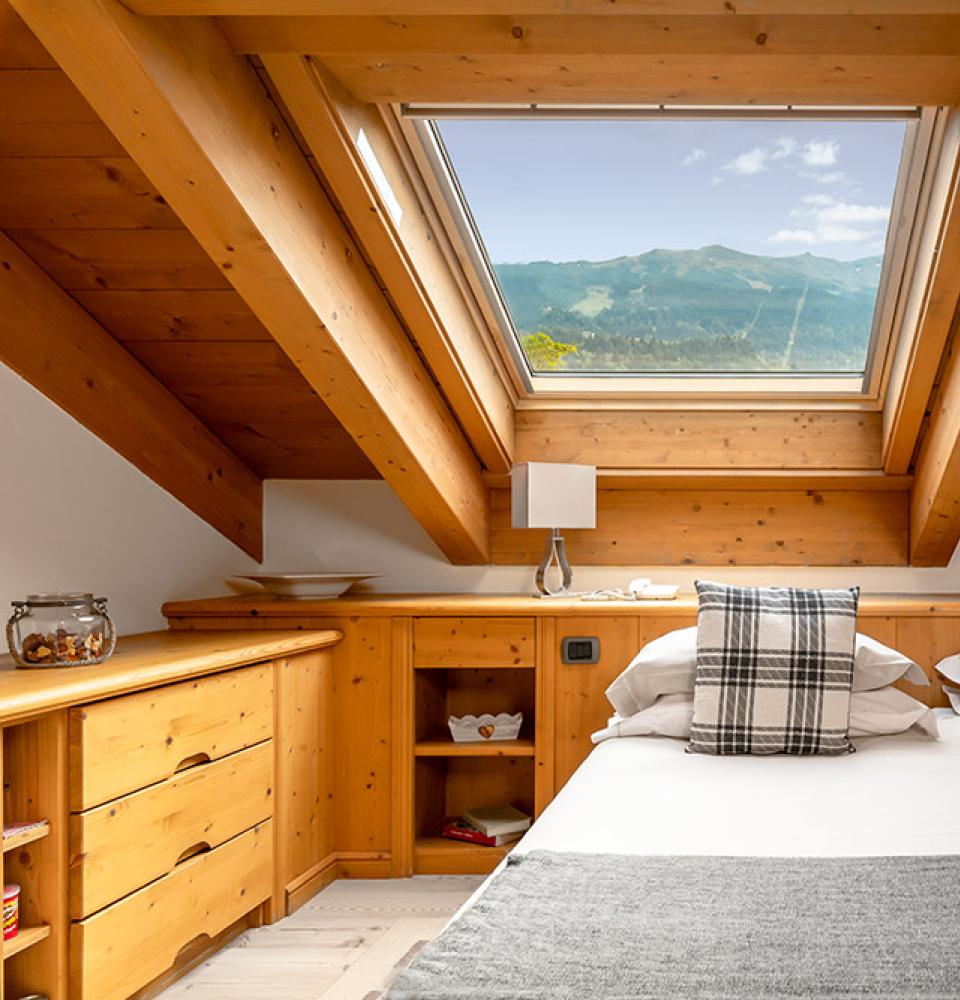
669 715
668 665
889 711
872 713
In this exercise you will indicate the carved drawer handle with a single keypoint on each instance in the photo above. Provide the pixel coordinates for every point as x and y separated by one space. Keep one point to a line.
201 847
192 761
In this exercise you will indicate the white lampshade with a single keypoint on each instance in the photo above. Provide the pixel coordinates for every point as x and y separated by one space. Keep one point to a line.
554 495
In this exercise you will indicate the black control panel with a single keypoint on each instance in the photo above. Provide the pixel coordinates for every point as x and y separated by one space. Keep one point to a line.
580 649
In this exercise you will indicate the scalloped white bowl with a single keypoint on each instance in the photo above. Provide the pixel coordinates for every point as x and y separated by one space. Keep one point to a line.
306 586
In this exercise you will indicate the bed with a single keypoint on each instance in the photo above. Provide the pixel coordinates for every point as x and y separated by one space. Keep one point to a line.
656 873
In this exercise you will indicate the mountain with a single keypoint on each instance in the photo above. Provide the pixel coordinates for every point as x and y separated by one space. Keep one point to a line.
707 309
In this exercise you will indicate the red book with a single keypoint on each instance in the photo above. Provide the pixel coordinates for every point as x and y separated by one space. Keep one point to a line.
460 829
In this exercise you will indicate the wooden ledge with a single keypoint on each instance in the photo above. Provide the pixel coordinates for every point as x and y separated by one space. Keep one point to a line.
145 661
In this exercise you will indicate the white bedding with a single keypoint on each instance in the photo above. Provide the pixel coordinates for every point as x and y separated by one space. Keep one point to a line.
644 795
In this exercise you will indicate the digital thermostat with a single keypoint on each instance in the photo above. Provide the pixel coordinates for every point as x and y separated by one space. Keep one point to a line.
580 649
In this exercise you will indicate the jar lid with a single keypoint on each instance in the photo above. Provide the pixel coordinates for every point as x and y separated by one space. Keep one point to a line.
9 891
55 600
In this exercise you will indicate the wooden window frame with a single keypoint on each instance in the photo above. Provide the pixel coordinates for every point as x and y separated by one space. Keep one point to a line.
908 219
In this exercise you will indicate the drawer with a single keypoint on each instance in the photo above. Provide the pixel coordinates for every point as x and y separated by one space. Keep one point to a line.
122 948
474 642
122 845
127 743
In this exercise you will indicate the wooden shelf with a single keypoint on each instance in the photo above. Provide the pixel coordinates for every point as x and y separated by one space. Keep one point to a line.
441 856
441 747
474 666
24 837
27 937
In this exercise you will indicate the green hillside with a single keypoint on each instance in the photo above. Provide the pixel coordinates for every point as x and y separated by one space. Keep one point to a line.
712 309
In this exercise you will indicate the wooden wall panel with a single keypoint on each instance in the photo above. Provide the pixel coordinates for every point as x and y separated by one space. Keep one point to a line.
692 439
581 707
717 528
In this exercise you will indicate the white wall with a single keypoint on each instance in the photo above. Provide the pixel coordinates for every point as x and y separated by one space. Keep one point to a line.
74 515
361 526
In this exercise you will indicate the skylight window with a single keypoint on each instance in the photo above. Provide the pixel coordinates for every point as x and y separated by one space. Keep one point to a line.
662 246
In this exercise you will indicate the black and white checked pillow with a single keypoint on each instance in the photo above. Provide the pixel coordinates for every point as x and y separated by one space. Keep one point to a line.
774 670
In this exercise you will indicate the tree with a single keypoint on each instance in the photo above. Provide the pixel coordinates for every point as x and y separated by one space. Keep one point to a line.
543 352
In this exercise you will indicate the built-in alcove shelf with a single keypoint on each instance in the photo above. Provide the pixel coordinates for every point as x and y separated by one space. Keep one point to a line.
440 747
23 837
27 937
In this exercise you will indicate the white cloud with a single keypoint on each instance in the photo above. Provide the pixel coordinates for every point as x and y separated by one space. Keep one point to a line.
824 176
715 181
694 156
793 236
818 199
783 147
833 221
754 161
820 153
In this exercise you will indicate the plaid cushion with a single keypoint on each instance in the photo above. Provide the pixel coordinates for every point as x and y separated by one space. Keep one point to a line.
774 669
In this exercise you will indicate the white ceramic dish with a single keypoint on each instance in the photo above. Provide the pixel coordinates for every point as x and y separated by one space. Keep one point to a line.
301 586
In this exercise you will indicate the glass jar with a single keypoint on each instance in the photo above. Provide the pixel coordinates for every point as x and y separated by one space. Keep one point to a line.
60 630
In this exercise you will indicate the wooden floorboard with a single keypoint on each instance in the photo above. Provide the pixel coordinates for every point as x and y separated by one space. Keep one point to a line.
346 943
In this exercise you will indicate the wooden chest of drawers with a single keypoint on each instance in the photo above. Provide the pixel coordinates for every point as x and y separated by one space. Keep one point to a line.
171 834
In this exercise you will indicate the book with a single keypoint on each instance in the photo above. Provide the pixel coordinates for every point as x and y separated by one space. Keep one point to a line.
459 829
496 820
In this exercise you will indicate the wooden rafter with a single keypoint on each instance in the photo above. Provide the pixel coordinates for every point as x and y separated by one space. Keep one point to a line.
61 350
935 499
514 7
403 243
196 119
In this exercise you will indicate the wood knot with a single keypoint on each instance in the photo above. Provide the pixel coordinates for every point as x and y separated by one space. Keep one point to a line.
761 39
516 31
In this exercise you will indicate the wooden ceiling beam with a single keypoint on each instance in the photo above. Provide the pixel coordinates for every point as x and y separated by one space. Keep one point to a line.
196 119
47 339
524 37
362 161
405 8
651 79
935 498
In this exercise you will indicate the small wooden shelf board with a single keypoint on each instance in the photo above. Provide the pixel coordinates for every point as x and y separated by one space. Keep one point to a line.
25 938
450 857
22 837
445 747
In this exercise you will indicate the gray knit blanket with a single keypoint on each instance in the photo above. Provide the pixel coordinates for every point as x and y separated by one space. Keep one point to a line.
607 926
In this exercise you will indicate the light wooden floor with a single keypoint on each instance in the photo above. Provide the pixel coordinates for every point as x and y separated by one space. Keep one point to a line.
347 943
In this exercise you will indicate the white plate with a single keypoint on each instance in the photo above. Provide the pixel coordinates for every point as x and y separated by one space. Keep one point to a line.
306 585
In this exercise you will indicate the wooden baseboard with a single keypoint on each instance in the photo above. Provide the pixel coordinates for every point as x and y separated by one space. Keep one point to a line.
357 864
307 885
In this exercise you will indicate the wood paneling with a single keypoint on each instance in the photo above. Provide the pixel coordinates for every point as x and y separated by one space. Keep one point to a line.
581 708
52 343
66 192
624 79
725 439
175 315
305 806
718 528
404 239
466 642
405 8
243 187
523 37
79 204
935 499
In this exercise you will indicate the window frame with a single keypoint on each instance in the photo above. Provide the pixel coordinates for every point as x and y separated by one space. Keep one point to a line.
923 135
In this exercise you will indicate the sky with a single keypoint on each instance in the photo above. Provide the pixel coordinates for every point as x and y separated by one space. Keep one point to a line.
593 190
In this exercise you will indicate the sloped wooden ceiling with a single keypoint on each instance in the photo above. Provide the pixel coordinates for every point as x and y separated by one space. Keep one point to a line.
731 486
83 211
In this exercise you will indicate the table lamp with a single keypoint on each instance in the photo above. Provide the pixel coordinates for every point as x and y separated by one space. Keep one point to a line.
554 495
